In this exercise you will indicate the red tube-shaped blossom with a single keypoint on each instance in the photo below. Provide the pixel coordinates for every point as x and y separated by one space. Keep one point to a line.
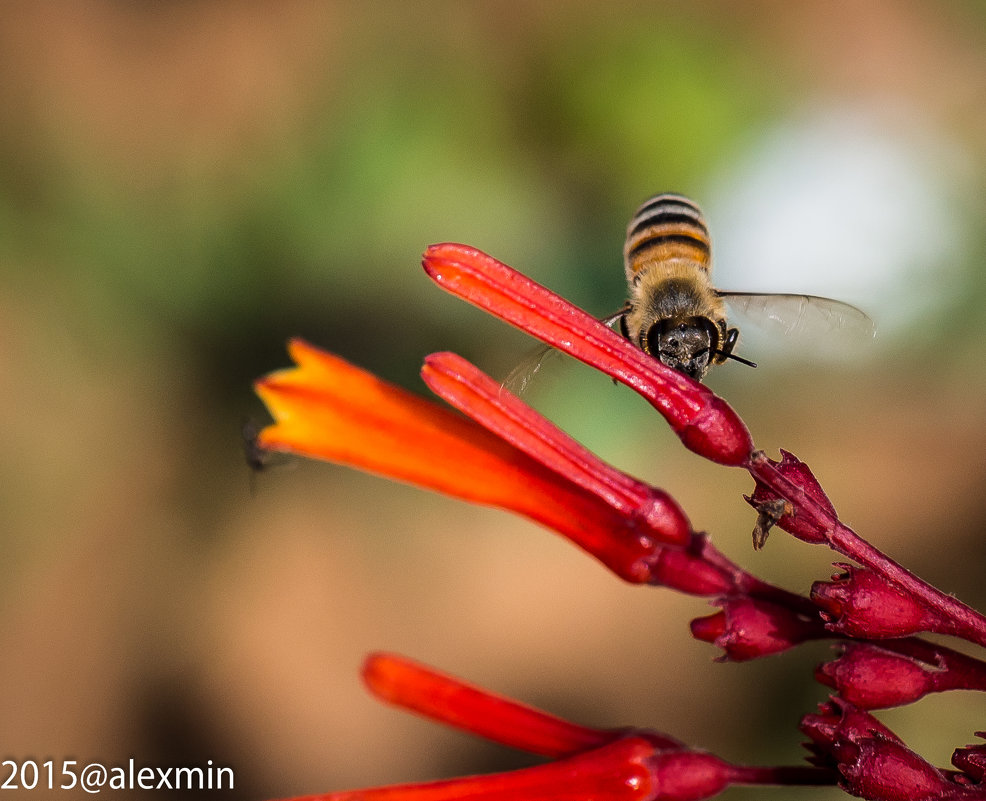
629 765
454 702
629 769
705 423
625 770
615 772
746 628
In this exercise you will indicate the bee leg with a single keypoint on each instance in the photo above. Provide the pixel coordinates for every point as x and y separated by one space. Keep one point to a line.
623 326
623 329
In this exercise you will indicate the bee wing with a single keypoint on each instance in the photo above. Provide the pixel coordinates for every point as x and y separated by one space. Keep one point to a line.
801 315
524 374
519 380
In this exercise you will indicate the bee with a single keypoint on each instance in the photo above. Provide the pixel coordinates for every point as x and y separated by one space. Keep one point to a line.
674 312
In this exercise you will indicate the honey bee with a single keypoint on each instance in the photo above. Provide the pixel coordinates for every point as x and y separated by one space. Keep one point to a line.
676 315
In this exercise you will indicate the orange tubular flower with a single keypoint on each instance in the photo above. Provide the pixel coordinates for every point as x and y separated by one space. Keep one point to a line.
329 409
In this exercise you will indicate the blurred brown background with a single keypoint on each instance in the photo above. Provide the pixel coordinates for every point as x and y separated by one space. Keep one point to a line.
185 185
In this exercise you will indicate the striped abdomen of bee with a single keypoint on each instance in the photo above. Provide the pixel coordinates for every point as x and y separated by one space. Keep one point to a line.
674 313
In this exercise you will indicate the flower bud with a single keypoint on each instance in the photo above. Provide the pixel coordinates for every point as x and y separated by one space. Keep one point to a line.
860 603
972 759
874 767
747 628
873 761
838 719
871 677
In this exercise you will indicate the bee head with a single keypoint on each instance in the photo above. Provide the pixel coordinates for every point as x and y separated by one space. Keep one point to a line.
683 345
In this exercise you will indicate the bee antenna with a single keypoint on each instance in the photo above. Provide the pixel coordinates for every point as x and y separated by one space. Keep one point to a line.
736 358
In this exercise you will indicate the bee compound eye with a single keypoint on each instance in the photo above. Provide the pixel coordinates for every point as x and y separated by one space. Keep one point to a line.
652 341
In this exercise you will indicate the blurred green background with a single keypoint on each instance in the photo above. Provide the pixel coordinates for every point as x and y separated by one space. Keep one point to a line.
183 186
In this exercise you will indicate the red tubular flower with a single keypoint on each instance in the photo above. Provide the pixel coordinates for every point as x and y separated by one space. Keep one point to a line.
593 763
614 772
648 509
704 422
747 628
879 676
451 701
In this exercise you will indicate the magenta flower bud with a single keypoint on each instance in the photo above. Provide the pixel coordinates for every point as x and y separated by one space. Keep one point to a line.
871 677
859 603
747 628
878 768
873 761
972 759
899 672
837 719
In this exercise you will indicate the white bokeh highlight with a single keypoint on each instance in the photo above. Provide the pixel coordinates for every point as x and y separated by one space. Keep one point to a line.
851 205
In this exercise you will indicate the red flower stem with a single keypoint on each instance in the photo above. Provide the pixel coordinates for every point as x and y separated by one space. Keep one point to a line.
745 583
451 701
784 776
957 618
